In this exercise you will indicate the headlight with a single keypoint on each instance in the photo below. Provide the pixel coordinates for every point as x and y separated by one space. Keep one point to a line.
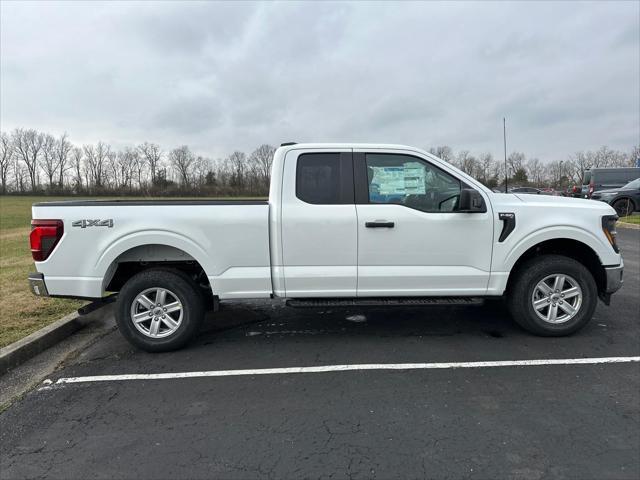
609 229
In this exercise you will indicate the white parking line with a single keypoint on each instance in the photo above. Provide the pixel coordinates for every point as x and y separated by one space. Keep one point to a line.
345 368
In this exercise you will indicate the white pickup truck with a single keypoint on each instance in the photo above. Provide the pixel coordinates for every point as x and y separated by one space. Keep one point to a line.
345 224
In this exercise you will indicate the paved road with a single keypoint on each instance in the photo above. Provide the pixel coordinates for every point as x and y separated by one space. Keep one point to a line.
560 421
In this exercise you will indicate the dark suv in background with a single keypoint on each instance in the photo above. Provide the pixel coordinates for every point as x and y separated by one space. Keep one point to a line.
596 179
625 200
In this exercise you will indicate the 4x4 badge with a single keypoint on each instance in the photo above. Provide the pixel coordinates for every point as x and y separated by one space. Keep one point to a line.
93 223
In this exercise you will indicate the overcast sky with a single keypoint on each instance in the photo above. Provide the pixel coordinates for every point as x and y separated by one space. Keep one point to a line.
220 77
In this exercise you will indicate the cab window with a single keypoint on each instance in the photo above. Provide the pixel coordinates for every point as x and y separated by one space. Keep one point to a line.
412 182
325 178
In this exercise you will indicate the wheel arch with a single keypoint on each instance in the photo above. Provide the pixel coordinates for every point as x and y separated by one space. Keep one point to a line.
567 247
135 259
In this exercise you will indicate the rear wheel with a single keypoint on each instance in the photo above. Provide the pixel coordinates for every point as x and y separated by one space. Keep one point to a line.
552 295
159 310
623 207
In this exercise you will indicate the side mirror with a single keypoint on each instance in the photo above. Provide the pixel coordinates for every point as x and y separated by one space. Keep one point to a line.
471 201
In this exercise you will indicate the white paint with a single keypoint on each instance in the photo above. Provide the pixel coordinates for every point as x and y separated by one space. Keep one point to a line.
345 368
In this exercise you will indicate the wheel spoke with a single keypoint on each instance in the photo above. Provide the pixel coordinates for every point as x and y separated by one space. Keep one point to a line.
540 304
571 292
544 288
559 282
173 307
145 301
155 326
141 317
568 308
552 314
161 295
169 322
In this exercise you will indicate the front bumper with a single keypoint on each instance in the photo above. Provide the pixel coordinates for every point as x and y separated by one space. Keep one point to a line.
37 285
614 278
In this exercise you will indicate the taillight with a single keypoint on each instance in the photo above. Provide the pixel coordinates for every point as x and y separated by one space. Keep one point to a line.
609 229
591 188
45 235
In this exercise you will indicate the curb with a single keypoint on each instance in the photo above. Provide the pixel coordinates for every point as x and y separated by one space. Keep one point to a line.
631 226
18 352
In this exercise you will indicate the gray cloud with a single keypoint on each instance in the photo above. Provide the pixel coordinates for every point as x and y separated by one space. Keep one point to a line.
222 76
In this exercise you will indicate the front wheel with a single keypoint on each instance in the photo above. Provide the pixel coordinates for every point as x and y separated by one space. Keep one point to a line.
552 295
159 310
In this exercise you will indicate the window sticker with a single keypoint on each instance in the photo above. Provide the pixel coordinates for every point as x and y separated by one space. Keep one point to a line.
406 180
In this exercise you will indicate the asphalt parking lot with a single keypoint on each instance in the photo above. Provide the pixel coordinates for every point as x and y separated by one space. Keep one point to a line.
530 422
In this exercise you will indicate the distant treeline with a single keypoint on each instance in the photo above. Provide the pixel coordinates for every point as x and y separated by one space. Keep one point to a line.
33 162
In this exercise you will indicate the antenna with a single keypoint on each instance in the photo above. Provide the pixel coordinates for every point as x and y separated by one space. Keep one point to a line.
504 136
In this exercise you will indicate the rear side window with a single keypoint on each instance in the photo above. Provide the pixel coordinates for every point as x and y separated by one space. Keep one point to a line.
610 177
587 178
325 178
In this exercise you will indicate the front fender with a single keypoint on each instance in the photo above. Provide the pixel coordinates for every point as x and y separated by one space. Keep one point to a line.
513 252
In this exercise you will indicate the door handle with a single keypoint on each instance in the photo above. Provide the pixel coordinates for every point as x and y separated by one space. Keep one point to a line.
379 224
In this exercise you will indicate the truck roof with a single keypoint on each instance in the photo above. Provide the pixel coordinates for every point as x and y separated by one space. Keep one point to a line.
293 145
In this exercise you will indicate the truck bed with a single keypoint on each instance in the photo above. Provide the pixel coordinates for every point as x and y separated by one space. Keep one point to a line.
229 239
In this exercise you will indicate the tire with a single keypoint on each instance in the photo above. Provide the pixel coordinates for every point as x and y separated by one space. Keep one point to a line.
527 288
169 326
623 207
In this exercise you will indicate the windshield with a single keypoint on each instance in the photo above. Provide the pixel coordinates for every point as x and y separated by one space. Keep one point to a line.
633 184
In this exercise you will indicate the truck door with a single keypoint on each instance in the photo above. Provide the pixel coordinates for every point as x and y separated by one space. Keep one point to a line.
411 239
318 225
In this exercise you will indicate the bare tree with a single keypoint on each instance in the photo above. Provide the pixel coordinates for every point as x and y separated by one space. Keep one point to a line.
63 147
6 159
125 166
28 145
484 166
20 174
201 168
96 158
634 157
515 162
535 170
262 157
238 163
444 152
49 158
153 156
76 160
181 160
466 162
138 168
581 161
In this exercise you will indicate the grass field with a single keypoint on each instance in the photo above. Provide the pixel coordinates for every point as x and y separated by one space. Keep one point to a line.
635 219
23 312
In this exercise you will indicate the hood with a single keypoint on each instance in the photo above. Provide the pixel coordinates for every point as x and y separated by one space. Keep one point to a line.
608 190
549 201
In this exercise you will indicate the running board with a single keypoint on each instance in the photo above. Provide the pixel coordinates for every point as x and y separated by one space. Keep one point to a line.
383 302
